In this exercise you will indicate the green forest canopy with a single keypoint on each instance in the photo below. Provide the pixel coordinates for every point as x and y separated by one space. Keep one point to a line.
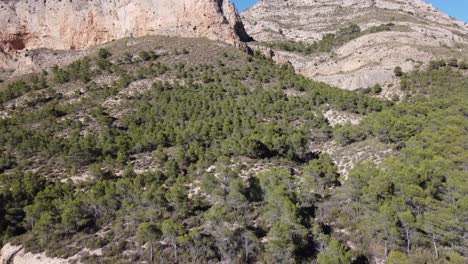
412 208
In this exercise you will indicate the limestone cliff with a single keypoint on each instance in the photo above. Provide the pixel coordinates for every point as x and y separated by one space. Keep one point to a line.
11 254
79 24
421 33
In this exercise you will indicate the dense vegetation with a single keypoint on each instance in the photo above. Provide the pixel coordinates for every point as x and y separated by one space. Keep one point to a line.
212 162
329 41
418 198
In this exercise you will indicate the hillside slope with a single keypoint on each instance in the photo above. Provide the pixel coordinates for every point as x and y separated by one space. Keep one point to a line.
165 149
164 118
183 150
392 33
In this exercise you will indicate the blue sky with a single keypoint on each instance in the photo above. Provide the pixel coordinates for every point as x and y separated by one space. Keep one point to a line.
244 4
455 8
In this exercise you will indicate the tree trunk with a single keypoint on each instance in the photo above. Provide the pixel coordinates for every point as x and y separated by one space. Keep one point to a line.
175 253
151 252
246 248
194 255
408 240
435 247
386 249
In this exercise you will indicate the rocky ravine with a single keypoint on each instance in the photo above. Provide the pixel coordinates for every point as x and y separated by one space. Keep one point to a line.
421 33
79 24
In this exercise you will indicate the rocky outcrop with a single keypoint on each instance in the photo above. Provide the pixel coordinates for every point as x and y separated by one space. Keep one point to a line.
10 254
79 24
420 33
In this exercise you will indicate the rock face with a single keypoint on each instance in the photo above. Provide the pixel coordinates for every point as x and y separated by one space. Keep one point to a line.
15 255
420 33
79 24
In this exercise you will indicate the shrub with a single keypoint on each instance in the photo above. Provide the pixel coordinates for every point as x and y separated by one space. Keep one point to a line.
336 253
398 71
104 54
145 56
437 64
397 257
463 65
128 57
60 76
377 89
153 55
7 161
14 90
453 63
456 258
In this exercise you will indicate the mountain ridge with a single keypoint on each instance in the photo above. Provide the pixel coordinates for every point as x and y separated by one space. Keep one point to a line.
418 33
